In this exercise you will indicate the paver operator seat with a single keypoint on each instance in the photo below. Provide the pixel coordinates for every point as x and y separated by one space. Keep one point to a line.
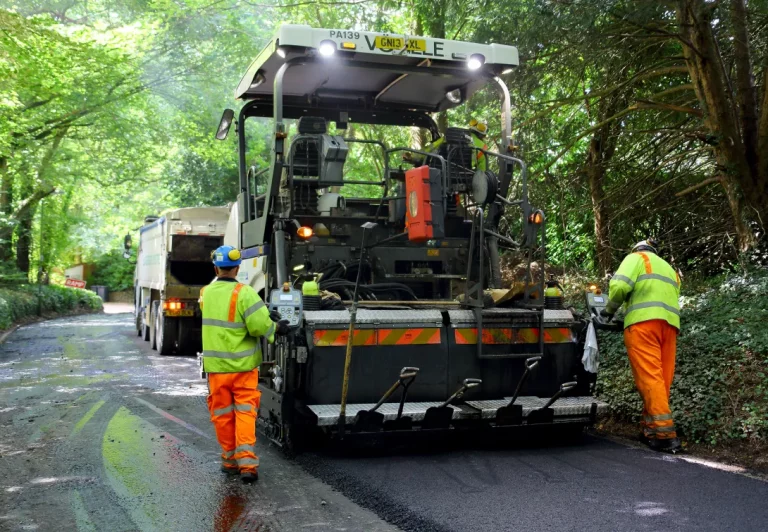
317 159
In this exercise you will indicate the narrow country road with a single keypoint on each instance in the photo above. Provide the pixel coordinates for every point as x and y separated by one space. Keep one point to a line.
98 432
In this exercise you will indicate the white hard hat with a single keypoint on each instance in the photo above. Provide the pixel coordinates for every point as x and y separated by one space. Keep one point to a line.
645 245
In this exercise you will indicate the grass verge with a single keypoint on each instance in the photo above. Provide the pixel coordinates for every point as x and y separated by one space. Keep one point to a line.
19 304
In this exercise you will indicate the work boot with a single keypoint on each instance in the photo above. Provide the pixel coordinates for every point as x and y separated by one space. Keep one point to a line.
229 470
666 445
249 477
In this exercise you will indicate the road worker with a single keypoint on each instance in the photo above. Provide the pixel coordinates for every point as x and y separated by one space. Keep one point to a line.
234 321
432 147
477 132
649 288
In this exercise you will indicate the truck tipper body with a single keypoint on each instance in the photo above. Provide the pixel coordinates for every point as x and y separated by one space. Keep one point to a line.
173 263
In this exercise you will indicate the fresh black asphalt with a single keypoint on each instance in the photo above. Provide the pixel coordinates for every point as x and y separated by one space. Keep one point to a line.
98 432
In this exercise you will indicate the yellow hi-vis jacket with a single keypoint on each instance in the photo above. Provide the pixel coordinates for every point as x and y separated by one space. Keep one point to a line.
234 320
477 142
649 287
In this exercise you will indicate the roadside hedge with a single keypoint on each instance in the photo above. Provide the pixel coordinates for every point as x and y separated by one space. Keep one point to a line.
720 391
21 301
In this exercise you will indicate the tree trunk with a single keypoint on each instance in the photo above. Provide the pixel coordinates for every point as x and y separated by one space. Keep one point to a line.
602 146
595 174
744 236
24 240
6 208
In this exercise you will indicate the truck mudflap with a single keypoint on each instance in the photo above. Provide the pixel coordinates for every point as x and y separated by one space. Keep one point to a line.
566 409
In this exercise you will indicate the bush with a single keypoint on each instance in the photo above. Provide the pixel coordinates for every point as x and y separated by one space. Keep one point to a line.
113 271
22 301
720 392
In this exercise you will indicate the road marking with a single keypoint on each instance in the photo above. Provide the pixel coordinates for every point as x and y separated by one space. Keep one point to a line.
173 418
87 417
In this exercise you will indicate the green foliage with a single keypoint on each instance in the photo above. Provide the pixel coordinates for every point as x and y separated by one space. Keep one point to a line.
113 271
720 392
22 301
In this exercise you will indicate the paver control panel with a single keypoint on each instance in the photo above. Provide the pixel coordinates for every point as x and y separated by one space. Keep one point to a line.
289 304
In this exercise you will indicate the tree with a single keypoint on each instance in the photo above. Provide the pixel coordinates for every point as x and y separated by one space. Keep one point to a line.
720 61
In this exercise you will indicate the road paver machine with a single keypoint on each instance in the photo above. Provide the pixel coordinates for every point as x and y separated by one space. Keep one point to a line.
401 286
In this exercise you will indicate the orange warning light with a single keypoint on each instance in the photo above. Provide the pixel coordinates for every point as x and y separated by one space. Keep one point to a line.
304 232
536 218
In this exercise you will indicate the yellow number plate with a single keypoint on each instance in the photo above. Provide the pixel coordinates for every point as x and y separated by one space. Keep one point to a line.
184 313
398 43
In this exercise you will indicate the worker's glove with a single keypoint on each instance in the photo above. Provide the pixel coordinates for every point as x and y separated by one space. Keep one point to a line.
275 316
283 328
605 316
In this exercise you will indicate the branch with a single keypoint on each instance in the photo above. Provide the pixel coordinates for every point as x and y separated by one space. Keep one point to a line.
686 87
660 31
647 104
599 94
31 201
697 186
309 3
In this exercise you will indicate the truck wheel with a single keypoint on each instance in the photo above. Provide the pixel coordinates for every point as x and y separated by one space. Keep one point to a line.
137 310
189 337
153 324
165 334
144 326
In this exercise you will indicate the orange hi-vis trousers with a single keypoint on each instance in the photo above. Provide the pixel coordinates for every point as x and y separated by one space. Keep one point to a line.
233 401
651 346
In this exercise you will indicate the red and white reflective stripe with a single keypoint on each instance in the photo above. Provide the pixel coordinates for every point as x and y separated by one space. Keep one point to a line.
233 301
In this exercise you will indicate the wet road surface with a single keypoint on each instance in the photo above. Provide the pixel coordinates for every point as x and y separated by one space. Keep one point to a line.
97 432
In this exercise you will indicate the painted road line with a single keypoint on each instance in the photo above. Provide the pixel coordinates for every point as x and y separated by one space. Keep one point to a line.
87 417
173 418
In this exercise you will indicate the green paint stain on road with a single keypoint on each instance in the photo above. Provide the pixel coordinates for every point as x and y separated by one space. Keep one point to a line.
87 417
82 518
128 461
146 471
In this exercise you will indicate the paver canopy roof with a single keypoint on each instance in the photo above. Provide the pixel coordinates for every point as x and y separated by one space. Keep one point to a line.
364 70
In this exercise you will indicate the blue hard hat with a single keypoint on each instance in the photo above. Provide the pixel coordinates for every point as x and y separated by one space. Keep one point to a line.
226 257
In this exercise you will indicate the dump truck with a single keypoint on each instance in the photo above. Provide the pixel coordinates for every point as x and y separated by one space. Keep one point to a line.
173 262
400 323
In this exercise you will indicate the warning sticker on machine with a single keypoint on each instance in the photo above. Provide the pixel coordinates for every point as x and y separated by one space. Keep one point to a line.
339 337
